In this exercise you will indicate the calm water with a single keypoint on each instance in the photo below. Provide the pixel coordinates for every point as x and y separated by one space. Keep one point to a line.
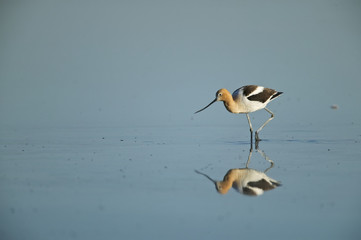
133 183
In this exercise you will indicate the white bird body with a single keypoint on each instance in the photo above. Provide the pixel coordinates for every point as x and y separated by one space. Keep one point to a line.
247 181
244 105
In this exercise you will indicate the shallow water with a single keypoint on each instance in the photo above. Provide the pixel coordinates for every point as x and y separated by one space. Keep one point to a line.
132 183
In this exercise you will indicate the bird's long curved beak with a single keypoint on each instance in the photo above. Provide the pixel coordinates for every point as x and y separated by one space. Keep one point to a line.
214 181
215 100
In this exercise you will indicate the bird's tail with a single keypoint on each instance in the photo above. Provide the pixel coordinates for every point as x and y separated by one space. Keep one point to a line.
276 95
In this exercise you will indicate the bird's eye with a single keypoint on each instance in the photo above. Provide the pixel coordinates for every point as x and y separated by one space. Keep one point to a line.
220 94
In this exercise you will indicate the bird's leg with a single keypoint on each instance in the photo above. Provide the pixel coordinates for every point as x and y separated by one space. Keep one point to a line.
249 156
267 158
256 143
250 128
264 124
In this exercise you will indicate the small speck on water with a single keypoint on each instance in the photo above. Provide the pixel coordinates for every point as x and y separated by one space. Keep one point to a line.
334 107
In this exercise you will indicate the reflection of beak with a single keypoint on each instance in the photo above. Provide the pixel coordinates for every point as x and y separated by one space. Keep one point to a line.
214 181
206 176
206 106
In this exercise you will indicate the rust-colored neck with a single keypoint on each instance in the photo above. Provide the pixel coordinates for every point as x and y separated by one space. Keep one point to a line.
226 184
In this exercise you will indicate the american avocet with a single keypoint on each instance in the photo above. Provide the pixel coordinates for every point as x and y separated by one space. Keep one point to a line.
247 99
244 180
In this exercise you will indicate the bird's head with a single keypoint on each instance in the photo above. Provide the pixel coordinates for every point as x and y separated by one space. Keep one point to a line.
221 95
220 188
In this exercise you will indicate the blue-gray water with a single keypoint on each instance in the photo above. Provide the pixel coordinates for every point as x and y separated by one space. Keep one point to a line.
133 183
98 139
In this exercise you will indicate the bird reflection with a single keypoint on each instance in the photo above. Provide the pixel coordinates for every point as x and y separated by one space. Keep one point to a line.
246 180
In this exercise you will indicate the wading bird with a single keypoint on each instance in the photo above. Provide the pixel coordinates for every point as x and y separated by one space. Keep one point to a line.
244 180
247 99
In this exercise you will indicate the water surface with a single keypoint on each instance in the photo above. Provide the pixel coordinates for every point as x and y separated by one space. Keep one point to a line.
136 182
